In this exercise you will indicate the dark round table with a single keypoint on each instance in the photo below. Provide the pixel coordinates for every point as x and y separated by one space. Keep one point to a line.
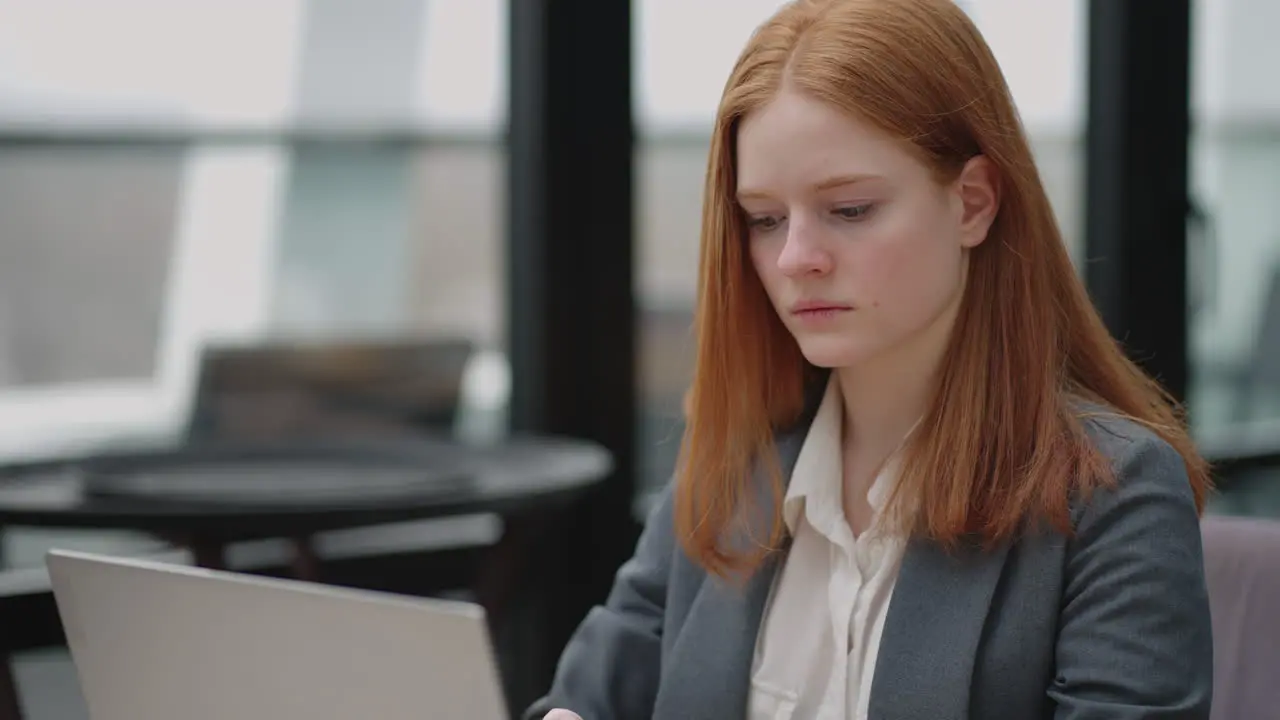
206 496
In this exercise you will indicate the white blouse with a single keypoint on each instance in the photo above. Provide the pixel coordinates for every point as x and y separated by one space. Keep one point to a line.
815 655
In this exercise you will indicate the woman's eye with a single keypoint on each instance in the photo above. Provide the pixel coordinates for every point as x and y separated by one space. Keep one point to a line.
854 212
764 222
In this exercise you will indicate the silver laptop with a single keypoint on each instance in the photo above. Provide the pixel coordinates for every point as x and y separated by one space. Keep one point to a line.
154 641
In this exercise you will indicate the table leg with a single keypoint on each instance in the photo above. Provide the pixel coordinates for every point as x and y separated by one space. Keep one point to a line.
510 586
10 704
306 564
209 553
532 585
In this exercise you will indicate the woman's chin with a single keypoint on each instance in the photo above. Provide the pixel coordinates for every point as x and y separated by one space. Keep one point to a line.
830 353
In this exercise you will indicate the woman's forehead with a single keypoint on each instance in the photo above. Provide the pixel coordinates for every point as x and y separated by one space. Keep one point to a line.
799 142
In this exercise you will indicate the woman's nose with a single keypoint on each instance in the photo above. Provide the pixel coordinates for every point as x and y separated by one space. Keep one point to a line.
803 252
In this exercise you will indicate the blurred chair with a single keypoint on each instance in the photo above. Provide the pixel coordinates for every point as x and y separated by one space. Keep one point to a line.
308 392
296 391
1242 565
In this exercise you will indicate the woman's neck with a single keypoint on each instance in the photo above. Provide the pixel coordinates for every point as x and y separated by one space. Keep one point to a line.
881 408
885 397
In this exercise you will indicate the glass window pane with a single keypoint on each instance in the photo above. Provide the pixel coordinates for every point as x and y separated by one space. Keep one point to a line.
462 69
152 255
1234 238
392 241
85 245
246 231
455 269
146 63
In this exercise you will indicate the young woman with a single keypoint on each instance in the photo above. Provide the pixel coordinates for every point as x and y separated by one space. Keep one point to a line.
919 479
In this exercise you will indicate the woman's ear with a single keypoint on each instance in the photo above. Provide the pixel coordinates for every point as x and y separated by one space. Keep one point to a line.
978 190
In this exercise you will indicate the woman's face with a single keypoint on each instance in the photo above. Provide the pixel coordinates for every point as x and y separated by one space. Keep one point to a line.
861 251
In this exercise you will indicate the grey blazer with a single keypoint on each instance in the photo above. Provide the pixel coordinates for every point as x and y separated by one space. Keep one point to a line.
1111 623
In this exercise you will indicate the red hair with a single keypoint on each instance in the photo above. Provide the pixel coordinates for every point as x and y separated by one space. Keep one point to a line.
1002 441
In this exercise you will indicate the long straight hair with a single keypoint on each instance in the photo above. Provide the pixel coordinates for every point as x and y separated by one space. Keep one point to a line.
1002 441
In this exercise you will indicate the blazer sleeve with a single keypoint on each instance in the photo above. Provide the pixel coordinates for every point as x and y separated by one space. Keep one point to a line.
1134 635
609 670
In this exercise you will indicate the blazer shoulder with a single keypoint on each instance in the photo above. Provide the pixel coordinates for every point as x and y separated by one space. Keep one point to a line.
1143 463
1119 437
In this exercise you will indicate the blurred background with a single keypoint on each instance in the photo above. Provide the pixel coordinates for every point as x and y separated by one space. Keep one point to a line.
480 217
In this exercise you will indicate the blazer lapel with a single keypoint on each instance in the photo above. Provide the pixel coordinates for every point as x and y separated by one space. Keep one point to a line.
932 631
707 673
